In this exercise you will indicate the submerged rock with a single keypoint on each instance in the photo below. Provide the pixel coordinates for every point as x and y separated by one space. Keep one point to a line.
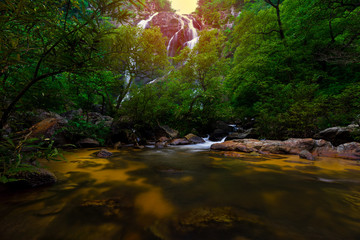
108 207
35 178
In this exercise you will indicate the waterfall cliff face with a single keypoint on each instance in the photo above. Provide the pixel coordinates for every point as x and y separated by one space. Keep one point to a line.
180 30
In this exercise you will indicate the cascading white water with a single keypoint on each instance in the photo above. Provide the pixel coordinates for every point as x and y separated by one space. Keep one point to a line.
175 36
188 30
194 38
145 23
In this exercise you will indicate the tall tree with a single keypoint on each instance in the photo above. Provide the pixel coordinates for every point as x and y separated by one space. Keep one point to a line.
43 38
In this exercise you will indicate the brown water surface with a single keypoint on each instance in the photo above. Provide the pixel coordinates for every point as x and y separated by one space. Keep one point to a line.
184 193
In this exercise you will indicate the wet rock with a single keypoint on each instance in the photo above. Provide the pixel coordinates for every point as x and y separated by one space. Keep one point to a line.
313 147
337 135
35 178
179 141
171 132
46 128
218 135
349 150
88 143
104 153
160 144
97 118
249 133
305 154
234 135
194 139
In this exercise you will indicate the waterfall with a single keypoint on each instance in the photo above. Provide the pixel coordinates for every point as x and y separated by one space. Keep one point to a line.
145 23
193 35
187 33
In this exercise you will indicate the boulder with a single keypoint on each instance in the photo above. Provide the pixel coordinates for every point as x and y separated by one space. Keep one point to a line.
88 143
104 154
349 150
97 118
194 139
46 128
72 114
305 154
37 177
218 135
336 135
171 132
179 141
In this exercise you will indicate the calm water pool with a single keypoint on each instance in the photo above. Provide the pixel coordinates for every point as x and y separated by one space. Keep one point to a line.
187 193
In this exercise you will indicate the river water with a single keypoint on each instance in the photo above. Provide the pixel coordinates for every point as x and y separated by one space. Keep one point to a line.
187 193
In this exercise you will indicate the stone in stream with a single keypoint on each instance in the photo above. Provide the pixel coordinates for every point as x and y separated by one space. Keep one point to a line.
194 139
179 141
104 153
305 154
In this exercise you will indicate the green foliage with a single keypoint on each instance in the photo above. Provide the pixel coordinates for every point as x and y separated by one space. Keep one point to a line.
78 128
191 96
40 39
303 81
20 155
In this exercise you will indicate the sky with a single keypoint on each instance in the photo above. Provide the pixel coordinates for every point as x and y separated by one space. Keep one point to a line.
184 6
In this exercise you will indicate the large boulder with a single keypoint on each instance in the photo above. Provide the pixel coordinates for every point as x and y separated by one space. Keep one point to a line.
97 118
72 114
218 134
337 135
172 133
35 178
192 138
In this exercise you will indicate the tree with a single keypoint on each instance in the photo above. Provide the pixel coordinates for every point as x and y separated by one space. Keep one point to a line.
43 38
136 54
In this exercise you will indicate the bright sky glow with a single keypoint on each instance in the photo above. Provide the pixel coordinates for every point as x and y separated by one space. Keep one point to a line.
184 6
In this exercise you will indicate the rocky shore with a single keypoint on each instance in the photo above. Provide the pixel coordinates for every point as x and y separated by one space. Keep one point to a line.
304 147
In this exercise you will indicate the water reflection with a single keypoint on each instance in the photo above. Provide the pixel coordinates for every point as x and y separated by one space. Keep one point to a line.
177 194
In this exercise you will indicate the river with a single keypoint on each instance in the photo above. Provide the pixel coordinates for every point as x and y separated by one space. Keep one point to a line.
187 193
